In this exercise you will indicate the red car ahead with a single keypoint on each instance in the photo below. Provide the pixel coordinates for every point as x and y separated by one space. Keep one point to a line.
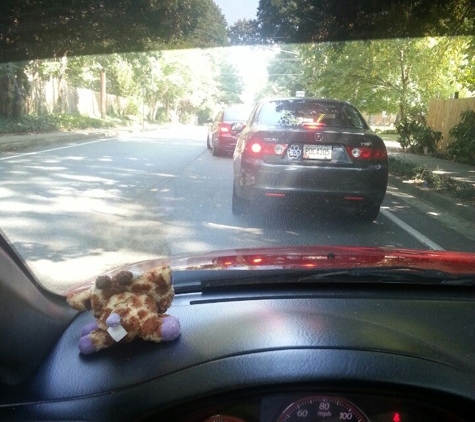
222 135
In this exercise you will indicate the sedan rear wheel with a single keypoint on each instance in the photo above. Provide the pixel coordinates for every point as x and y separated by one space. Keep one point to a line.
370 214
214 148
240 205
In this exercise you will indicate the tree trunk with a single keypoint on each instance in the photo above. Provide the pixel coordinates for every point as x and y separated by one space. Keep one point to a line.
18 94
5 96
60 100
103 95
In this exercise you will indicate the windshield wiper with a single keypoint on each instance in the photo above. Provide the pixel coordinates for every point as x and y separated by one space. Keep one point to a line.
199 280
394 274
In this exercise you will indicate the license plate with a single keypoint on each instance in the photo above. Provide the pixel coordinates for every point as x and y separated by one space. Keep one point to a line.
317 152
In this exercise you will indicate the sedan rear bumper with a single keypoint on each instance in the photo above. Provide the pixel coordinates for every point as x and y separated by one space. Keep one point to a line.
366 185
226 143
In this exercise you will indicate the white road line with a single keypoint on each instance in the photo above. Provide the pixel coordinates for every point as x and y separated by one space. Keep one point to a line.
412 231
12 157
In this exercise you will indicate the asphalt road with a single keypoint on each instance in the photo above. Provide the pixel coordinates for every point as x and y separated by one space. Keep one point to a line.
76 210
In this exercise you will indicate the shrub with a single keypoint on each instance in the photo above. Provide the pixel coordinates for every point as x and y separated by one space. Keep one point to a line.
463 148
416 136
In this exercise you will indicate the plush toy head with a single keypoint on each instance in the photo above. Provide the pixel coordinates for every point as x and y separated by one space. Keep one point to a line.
126 307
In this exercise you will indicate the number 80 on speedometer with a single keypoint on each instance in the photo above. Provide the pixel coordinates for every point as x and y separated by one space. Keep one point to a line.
322 408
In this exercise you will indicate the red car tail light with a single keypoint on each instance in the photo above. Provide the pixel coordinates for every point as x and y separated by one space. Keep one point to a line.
367 153
224 128
257 147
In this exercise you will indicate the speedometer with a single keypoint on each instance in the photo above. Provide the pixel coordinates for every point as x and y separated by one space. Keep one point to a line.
322 408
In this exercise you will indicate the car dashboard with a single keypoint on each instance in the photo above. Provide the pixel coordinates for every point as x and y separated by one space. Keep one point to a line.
283 352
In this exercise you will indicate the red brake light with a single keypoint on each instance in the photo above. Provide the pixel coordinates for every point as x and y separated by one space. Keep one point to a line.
380 154
367 153
224 128
313 125
257 147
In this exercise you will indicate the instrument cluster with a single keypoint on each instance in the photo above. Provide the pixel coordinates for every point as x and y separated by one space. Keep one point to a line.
329 408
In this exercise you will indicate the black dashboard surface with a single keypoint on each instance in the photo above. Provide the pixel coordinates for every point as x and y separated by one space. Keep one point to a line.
394 341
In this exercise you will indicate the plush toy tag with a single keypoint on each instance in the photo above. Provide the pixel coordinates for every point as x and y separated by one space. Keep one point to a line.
117 333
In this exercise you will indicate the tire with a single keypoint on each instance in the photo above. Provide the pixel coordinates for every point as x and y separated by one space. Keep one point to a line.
240 205
214 149
369 214
208 145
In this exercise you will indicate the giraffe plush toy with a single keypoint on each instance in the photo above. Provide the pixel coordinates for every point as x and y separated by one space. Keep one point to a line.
127 306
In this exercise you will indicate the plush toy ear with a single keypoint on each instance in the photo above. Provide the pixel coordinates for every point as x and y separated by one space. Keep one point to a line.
123 278
81 301
103 282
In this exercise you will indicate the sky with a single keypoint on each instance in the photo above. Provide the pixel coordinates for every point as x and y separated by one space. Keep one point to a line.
241 9
255 76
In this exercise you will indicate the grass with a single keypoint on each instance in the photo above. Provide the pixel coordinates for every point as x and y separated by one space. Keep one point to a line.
423 176
389 136
55 123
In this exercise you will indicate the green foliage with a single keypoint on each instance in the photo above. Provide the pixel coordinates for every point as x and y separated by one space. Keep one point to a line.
463 148
229 84
208 25
286 71
161 116
52 28
245 32
416 136
336 20
389 75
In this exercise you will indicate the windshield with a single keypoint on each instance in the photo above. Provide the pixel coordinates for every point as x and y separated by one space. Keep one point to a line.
108 156
236 115
295 113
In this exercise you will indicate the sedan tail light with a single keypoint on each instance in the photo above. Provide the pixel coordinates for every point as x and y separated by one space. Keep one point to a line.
367 153
224 128
257 147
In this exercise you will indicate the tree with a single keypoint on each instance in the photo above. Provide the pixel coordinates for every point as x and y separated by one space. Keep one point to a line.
286 71
245 32
209 26
390 75
61 29
229 84
13 89
342 20
51 28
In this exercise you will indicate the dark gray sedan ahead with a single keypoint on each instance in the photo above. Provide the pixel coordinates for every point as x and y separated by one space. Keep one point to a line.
310 149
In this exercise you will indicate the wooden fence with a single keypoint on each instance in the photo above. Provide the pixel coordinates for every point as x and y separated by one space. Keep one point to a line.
443 115
43 99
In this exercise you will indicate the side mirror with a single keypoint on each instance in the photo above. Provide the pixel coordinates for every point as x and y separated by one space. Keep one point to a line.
237 127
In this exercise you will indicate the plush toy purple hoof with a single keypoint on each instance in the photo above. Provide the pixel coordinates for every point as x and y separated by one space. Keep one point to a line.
89 328
113 320
85 345
170 328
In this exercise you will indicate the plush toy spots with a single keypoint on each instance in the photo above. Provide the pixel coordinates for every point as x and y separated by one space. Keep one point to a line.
127 307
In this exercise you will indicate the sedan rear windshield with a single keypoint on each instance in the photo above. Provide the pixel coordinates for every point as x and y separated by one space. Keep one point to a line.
236 115
300 113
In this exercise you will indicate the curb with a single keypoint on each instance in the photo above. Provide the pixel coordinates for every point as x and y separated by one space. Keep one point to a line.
11 144
18 142
450 205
